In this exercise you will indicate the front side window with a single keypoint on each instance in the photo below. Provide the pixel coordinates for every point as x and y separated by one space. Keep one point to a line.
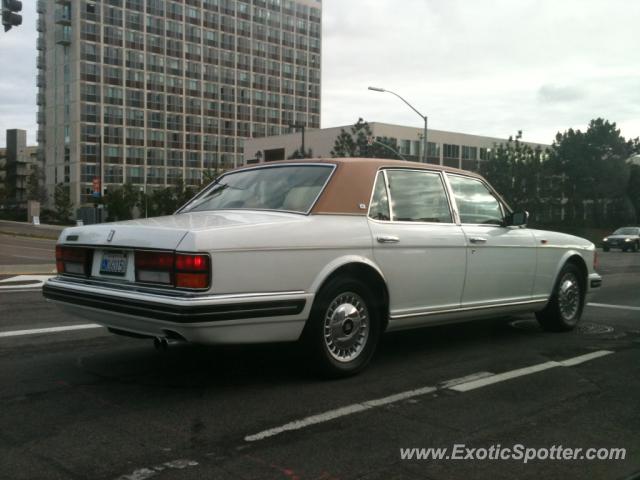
292 188
476 203
418 196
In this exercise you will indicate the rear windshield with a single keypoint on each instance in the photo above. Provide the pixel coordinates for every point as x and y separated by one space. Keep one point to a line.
291 188
627 231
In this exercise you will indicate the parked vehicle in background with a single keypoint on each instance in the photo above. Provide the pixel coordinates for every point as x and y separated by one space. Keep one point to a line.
625 238
330 252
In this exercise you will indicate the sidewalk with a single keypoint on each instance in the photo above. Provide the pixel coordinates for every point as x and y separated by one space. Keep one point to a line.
40 269
26 229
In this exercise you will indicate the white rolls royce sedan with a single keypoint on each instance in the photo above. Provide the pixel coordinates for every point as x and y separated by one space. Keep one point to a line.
329 252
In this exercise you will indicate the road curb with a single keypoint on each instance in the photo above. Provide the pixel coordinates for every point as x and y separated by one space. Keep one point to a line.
43 269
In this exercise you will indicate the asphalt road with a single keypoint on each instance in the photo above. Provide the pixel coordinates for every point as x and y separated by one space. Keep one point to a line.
86 404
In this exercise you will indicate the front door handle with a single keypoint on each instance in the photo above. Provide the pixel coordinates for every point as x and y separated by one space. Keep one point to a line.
478 240
387 239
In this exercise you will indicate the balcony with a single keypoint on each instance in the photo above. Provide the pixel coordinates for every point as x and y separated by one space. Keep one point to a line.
40 99
41 6
63 17
63 37
41 61
41 80
40 117
63 2
40 43
40 137
40 25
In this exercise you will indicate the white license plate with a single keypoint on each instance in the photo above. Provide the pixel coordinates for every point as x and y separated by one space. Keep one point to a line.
113 263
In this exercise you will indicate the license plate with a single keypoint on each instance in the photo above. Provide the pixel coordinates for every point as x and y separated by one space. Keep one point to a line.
113 264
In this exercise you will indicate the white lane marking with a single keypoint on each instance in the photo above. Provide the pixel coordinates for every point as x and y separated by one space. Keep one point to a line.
338 412
38 281
479 379
619 307
144 473
570 362
501 377
35 331
465 379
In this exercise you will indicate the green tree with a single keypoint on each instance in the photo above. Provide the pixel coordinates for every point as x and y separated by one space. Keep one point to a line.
593 174
120 202
516 170
35 185
62 203
360 142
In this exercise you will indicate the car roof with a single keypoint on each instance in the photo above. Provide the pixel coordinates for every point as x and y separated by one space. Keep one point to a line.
349 190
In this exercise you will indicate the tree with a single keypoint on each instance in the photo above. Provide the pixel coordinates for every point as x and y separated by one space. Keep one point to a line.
516 170
300 154
593 174
120 202
35 185
360 142
62 203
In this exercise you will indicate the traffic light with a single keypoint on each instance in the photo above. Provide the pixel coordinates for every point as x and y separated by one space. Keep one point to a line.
9 16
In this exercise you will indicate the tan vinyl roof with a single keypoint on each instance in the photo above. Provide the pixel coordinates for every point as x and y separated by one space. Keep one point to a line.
352 182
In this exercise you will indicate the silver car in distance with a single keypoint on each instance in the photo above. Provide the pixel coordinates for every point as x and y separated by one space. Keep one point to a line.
329 252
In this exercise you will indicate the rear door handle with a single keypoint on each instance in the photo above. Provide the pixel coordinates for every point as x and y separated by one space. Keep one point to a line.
478 240
387 239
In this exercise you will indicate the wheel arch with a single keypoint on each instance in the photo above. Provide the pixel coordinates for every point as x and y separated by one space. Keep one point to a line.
364 270
578 260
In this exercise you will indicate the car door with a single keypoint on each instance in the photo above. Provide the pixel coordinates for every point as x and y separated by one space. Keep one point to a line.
416 243
501 261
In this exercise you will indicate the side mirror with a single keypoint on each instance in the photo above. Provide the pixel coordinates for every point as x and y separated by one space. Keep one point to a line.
518 219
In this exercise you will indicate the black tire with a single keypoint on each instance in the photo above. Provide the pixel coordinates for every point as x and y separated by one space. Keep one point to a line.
565 306
634 247
361 328
605 249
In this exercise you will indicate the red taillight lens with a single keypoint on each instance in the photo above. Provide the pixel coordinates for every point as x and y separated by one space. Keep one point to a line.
192 270
73 260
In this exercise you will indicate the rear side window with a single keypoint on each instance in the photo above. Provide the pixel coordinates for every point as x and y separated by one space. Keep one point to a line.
476 203
418 196
379 209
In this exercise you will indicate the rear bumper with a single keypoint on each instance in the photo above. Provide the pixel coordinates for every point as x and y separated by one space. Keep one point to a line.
209 319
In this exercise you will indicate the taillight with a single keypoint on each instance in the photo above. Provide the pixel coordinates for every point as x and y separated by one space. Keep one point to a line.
181 270
73 260
192 270
154 267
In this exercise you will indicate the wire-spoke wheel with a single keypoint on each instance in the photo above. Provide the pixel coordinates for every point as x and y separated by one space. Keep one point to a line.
565 306
346 327
342 332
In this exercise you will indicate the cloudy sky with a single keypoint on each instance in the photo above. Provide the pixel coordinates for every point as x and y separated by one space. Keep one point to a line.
484 67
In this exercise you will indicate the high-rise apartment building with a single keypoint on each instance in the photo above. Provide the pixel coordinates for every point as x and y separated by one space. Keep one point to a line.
154 92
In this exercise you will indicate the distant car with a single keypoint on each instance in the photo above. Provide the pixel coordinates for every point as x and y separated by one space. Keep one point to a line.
330 252
626 238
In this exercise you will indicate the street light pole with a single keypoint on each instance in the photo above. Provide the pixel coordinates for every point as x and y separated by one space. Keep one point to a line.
302 128
424 117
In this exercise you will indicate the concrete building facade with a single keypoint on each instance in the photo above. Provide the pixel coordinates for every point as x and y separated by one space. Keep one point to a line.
154 92
459 150
18 162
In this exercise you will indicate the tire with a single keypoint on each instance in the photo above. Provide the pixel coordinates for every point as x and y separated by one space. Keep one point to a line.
565 306
634 247
344 328
605 249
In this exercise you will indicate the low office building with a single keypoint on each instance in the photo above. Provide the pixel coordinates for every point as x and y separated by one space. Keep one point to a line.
459 150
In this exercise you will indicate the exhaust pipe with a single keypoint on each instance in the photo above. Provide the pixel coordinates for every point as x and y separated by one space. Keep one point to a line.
160 343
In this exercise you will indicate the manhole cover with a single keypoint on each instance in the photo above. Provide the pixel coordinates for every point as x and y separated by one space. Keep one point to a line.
594 328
